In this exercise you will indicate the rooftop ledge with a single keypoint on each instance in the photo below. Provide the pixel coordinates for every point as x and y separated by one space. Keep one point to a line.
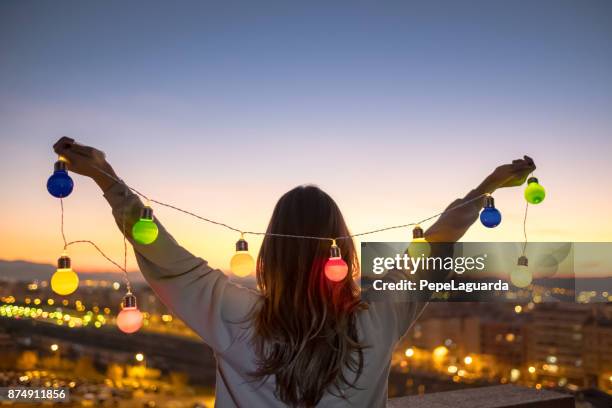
499 396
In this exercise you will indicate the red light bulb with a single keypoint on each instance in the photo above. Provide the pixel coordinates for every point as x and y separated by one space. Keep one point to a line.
335 267
129 320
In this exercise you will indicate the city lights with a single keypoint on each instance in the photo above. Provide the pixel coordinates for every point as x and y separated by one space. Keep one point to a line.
515 374
440 352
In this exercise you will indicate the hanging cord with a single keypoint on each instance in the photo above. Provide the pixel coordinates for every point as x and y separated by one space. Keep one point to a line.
62 222
525 228
84 241
414 224
125 273
270 234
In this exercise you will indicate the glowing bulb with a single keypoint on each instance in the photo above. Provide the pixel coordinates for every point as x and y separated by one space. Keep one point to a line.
64 281
440 352
129 319
242 263
60 184
490 216
336 269
534 192
419 245
145 230
521 277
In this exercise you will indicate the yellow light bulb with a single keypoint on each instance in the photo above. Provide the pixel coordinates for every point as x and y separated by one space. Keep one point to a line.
242 263
419 245
64 281
521 276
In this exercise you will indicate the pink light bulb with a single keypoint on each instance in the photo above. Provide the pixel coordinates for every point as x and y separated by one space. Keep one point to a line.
335 267
129 320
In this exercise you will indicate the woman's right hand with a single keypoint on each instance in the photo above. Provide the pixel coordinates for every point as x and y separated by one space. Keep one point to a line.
87 161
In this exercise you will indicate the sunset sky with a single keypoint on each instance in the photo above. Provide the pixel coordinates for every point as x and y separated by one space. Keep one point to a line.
394 108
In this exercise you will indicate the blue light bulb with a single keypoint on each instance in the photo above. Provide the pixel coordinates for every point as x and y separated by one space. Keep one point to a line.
490 216
60 184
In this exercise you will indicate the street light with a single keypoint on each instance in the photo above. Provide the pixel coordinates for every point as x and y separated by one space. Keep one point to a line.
139 357
54 347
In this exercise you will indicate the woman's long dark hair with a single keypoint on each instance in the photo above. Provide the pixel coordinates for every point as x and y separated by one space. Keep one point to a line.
305 330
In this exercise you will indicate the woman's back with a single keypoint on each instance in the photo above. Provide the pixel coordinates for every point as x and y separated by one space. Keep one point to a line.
377 329
224 314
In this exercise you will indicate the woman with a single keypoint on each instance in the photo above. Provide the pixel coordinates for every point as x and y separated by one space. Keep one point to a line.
300 340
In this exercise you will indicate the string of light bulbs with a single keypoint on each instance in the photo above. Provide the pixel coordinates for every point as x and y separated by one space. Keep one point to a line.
145 231
521 276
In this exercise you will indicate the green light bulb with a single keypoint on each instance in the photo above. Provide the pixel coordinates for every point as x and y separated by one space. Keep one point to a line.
534 192
145 231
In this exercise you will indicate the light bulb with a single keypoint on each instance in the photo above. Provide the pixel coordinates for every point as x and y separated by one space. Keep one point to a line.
419 245
534 192
64 280
335 267
520 276
242 263
145 230
60 184
129 319
490 216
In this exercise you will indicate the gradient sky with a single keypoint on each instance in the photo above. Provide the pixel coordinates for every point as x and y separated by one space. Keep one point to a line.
395 108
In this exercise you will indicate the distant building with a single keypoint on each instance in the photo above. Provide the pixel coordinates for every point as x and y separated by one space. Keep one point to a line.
556 344
598 349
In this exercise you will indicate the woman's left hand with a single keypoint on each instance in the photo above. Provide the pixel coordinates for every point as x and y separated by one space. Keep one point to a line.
510 175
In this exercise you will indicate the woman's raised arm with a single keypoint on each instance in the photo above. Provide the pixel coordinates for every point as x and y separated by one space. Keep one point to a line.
451 226
201 296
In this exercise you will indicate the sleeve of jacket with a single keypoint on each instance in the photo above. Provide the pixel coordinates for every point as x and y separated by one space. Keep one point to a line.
203 297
